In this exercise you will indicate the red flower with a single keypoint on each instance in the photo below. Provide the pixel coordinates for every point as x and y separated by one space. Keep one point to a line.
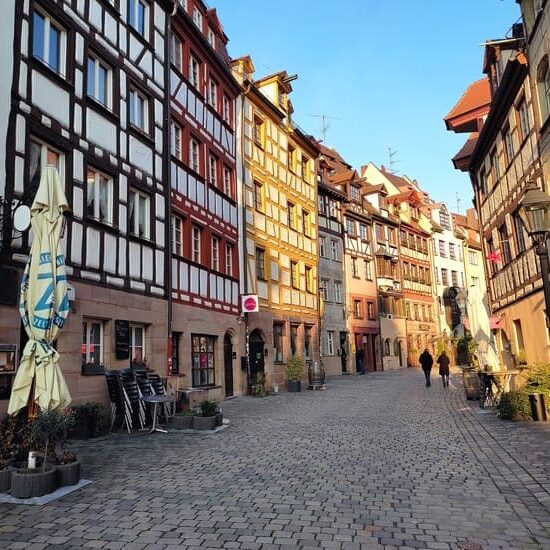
494 257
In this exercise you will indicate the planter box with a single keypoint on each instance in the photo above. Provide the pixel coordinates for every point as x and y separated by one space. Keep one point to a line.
219 419
294 386
67 474
183 422
5 480
470 379
204 423
27 483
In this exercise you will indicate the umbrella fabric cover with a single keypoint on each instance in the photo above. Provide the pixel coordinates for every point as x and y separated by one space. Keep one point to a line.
480 327
44 303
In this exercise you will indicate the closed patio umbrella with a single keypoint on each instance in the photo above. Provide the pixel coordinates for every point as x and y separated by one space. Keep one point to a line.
480 327
43 304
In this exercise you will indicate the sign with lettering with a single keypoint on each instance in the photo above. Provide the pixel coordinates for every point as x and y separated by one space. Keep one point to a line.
122 339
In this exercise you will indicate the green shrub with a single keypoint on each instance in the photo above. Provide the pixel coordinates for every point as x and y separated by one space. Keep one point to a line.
538 381
209 407
514 405
294 368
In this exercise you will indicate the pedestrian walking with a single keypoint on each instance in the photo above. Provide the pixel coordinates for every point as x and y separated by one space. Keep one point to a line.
444 361
426 360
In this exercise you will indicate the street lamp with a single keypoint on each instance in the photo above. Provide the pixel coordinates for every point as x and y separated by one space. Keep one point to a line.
535 212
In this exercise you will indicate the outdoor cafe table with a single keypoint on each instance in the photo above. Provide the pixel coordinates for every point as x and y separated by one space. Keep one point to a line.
493 384
155 400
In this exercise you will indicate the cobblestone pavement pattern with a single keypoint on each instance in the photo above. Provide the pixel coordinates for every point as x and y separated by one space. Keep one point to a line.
378 461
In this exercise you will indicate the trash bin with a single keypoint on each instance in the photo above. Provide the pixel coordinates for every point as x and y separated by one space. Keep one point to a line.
538 408
316 375
470 380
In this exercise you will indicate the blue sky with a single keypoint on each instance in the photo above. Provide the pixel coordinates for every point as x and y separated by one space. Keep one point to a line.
385 72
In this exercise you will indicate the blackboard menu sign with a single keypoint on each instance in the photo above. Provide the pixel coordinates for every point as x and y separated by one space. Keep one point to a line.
122 339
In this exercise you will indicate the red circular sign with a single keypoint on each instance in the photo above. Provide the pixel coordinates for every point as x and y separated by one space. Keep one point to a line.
249 303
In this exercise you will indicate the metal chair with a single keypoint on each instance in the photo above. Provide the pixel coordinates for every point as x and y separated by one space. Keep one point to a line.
119 401
160 389
130 385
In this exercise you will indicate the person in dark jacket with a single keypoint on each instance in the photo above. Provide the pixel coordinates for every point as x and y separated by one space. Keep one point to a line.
426 360
444 361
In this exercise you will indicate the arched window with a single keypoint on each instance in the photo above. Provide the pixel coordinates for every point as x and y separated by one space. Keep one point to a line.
396 346
444 219
387 347
543 88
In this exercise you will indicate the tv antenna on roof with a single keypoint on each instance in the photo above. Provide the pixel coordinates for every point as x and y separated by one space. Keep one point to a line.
392 154
324 124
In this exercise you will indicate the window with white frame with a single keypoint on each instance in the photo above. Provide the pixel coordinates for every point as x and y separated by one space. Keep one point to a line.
194 155
330 342
42 155
177 235
338 292
472 257
196 233
138 16
139 213
324 289
176 49
305 168
306 222
523 120
99 196
444 218
49 42
229 259
363 231
452 251
226 109
357 309
543 87
310 279
355 193
322 246
138 351
442 249
368 270
260 264
99 81
194 71
334 250
92 342
227 181
175 142
203 359
350 227
213 170
138 106
215 253
213 93
354 268
197 17
295 275
211 38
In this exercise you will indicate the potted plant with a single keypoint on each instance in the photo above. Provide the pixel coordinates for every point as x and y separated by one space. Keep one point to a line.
294 371
14 435
207 418
184 420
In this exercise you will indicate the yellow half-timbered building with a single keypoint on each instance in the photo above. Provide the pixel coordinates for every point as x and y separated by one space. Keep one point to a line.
280 230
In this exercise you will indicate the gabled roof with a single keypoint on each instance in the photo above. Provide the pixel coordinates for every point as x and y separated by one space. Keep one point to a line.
342 176
461 160
473 105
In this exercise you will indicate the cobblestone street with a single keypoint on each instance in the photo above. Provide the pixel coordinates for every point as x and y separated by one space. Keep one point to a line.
378 461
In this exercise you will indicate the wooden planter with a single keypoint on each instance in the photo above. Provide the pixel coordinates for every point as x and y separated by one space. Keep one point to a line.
204 423
27 483
183 422
67 474
294 386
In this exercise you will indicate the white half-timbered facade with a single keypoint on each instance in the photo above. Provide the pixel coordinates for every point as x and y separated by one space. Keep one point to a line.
88 96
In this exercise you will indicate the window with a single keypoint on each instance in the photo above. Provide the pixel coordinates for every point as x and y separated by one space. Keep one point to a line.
259 201
338 292
454 278
99 196
194 155
310 280
330 343
305 168
42 155
138 214
380 233
334 250
137 345
355 193
403 237
260 264
322 247
213 170
213 94
519 233
370 310
215 253
324 289
92 342
194 72
363 231
177 235
227 187
444 218
196 234
291 215
452 251
354 268
472 257
202 359
176 56
211 38
495 167
197 18
543 88
229 259
306 222
368 270
175 142
475 281
176 337
291 160
523 119
258 131
99 82
386 347
520 343
504 244
508 144
350 227
138 106
138 16
308 331
49 42
293 339
444 277
442 249
357 309
226 109
483 184
295 275
278 342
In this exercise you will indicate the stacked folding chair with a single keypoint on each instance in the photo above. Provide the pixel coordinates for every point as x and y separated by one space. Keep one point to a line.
159 389
130 386
119 401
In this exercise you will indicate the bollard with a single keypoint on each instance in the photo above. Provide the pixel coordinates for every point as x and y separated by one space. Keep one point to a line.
538 408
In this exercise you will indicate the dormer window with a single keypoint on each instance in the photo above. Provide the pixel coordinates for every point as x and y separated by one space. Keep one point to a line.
281 98
197 18
211 38
354 193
